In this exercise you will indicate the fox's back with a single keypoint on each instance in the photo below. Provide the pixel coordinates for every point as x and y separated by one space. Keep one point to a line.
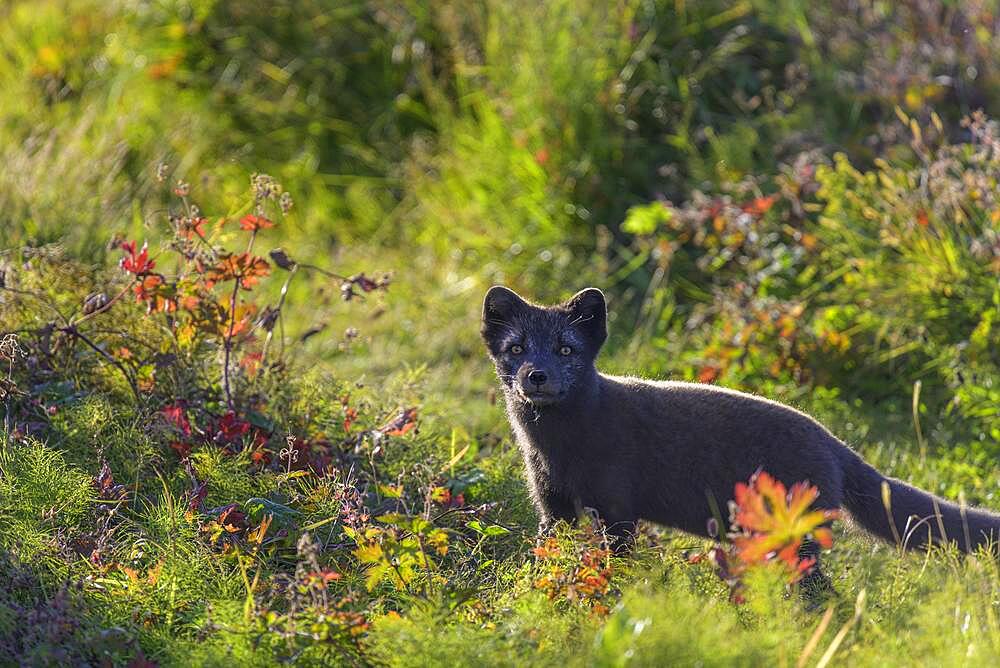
708 408
695 441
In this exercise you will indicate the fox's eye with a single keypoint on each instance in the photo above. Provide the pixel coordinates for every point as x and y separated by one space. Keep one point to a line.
516 349
565 350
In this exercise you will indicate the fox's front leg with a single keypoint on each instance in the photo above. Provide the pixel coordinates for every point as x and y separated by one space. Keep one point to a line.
553 507
551 504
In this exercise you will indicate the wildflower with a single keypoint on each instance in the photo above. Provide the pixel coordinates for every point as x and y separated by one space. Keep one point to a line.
95 302
760 205
280 258
106 487
188 228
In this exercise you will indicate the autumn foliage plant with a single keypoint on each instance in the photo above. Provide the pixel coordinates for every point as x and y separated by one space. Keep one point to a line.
206 295
181 347
580 574
200 296
770 523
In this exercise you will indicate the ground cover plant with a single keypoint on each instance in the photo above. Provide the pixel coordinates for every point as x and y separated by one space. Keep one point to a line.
247 417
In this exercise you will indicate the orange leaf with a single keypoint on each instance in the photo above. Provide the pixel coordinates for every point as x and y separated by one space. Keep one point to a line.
774 521
760 205
253 223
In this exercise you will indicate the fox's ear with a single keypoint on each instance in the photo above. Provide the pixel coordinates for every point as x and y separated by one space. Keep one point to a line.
589 313
499 306
501 303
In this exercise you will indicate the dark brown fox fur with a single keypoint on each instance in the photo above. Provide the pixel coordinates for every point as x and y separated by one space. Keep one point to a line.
672 452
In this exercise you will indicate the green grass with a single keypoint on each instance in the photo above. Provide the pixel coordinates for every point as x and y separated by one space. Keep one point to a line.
459 146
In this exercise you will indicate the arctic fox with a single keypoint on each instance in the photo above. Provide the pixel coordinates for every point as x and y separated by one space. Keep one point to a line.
672 452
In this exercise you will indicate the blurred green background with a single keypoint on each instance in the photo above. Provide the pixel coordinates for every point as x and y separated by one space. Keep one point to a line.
635 146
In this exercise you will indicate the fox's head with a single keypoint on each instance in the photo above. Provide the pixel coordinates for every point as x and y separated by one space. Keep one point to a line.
542 353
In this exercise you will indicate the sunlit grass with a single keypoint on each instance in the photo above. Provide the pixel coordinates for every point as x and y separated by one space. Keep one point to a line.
460 146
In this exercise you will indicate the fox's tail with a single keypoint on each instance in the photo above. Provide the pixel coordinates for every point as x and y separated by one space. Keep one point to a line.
916 516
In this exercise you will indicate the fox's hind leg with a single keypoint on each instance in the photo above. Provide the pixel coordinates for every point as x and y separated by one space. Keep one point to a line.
814 586
620 527
621 536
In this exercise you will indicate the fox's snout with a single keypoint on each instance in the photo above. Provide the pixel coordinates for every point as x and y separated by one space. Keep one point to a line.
538 384
537 377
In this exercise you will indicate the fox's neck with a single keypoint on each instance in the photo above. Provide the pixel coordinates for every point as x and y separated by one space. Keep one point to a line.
545 425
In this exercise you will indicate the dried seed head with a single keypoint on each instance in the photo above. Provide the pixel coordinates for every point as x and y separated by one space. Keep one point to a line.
94 302
268 318
264 187
280 258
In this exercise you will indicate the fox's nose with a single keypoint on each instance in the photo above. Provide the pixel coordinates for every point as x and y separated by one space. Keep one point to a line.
537 377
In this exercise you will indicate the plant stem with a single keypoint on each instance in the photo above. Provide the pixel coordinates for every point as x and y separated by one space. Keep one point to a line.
104 308
228 343
281 303
74 332
323 271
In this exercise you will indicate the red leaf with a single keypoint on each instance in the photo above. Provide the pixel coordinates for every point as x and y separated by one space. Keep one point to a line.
158 296
103 480
350 415
324 576
189 228
774 521
232 519
246 268
441 495
231 429
137 263
181 448
251 362
707 374
174 414
260 457
547 550
107 490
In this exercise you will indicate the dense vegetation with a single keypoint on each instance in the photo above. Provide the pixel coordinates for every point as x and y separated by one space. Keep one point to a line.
246 413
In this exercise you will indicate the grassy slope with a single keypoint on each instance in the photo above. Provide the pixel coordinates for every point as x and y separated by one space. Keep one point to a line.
423 345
